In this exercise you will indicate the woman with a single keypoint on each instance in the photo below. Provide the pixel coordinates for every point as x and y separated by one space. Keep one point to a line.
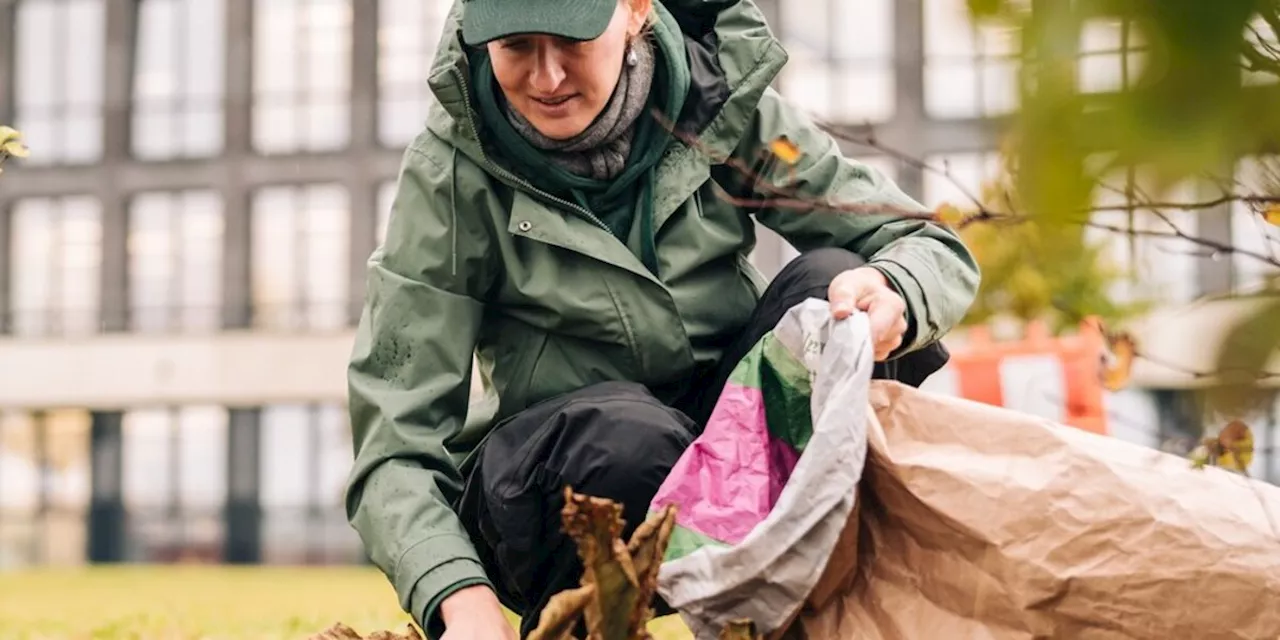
549 223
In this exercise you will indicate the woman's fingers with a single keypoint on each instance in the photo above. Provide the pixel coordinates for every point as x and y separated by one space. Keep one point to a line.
886 313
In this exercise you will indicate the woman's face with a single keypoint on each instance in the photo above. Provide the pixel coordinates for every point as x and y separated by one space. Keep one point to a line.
559 85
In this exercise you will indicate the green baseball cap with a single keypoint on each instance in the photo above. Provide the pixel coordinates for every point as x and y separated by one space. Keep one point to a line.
486 20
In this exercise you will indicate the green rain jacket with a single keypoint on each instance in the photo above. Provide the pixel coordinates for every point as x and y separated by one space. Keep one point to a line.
478 262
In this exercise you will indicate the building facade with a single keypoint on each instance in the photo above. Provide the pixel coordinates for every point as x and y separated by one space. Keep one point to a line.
182 256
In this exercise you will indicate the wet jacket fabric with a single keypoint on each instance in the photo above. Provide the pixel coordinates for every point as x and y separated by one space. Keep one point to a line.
477 261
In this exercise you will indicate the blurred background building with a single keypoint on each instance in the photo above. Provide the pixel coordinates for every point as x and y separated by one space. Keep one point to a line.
182 257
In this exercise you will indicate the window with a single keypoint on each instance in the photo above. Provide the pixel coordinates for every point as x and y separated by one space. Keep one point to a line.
408 31
175 261
1249 231
300 247
1266 40
1160 269
301 75
1111 55
841 66
306 456
175 482
59 79
57 255
44 472
970 69
953 178
178 79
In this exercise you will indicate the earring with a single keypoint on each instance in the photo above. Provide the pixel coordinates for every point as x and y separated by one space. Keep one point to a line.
633 58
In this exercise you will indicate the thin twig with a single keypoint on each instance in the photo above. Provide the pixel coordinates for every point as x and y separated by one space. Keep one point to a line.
791 201
1220 247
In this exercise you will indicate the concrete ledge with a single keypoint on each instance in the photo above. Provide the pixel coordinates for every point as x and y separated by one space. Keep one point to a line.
123 371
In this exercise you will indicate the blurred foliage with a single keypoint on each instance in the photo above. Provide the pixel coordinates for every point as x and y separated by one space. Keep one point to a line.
11 145
1231 449
1036 272
1201 96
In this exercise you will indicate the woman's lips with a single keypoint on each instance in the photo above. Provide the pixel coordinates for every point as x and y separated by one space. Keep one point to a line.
554 100
554 106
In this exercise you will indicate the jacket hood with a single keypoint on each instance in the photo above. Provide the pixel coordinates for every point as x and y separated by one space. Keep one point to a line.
732 55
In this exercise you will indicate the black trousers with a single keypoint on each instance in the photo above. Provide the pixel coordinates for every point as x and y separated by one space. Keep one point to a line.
614 440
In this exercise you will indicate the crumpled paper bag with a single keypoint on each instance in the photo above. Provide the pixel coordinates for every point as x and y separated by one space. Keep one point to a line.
981 522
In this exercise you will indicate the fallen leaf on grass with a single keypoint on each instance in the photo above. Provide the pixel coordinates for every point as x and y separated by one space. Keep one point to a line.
341 631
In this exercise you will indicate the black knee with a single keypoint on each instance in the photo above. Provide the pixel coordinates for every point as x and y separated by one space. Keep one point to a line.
821 265
612 440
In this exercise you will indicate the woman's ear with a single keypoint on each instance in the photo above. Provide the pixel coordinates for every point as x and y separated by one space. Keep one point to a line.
639 16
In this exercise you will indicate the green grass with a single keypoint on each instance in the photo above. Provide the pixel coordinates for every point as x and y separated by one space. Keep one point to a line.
205 603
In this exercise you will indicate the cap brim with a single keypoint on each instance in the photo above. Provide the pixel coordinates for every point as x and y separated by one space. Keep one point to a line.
487 20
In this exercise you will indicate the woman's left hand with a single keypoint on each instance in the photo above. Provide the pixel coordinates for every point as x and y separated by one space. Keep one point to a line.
866 289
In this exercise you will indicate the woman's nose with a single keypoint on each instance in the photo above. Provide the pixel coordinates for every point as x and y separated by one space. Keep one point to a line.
548 73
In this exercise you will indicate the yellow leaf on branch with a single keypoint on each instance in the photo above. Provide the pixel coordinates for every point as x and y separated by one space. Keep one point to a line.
786 150
1231 449
1236 441
11 144
949 214
15 148
1272 214
1122 350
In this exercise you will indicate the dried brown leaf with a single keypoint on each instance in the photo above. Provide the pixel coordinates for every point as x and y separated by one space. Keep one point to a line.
647 547
1122 349
340 631
1236 445
619 580
562 612
739 630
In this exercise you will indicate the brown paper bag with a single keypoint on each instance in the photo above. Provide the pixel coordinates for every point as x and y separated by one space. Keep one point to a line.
981 522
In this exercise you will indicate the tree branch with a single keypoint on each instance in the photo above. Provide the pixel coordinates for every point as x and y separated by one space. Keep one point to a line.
783 200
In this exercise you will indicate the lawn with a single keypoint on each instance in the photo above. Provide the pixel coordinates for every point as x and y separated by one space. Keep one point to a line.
191 603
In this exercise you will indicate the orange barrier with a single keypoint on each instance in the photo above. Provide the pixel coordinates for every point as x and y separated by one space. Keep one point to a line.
977 367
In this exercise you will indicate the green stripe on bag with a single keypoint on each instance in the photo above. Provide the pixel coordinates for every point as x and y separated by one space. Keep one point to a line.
747 373
785 386
685 541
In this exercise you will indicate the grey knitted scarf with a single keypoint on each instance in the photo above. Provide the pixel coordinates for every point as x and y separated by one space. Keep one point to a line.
600 151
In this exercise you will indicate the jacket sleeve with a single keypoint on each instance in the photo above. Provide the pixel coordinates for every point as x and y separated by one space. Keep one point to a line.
408 385
927 263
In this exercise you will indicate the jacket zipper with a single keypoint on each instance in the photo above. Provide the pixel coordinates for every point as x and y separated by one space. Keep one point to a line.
475 133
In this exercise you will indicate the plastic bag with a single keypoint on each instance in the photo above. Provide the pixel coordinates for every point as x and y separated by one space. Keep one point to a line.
766 490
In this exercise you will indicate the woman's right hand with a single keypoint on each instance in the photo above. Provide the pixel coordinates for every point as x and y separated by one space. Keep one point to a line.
474 613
